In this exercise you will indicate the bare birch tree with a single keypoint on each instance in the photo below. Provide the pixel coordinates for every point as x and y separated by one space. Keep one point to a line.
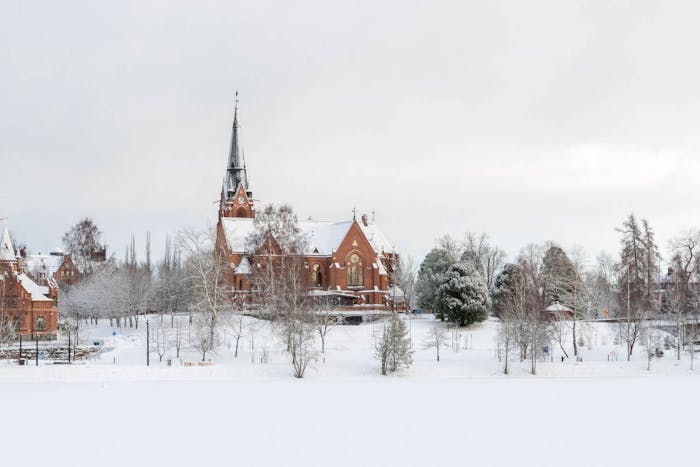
436 338
205 268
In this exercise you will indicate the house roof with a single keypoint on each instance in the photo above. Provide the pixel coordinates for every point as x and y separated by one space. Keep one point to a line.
557 307
40 262
38 293
323 237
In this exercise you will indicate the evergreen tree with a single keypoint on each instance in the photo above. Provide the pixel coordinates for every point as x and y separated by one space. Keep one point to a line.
393 347
639 258
558 275
463 297
430 275
504 288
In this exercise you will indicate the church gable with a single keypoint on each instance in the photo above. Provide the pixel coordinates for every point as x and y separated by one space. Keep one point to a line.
355 240
242 206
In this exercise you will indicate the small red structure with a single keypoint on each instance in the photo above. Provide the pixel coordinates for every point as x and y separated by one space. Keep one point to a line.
558 312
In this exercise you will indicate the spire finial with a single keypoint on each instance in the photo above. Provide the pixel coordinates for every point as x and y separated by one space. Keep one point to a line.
354 213
235 110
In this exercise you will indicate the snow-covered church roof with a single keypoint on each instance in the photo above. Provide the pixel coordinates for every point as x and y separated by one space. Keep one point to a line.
323 237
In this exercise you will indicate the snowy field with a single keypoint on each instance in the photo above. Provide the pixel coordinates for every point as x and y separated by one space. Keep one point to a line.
112 410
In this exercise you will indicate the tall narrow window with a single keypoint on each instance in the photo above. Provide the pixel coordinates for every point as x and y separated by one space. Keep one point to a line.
316 276
40 323
353 267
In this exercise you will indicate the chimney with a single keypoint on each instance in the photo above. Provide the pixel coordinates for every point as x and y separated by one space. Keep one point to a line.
365 220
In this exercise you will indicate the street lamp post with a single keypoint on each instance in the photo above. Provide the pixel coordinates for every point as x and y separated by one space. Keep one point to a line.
148 344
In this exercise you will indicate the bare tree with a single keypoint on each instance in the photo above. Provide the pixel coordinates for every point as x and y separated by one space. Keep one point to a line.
205 267
169 292
404 277
530 298
178 340
160 339
436 338
685 260
485 257
325 318
204 337
506 340
83 243
136 284
281 282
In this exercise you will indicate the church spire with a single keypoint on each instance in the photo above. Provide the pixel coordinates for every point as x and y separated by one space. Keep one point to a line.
7 251
236 171
236 197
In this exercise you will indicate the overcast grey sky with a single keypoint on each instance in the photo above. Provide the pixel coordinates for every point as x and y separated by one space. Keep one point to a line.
531 121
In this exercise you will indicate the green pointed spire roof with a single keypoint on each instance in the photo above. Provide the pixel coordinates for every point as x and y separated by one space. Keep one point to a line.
236 171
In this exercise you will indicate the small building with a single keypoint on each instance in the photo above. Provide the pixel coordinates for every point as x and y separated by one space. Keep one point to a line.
558 312
30 308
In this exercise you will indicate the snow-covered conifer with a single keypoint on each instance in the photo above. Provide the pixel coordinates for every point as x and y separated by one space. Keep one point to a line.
463 297
393 347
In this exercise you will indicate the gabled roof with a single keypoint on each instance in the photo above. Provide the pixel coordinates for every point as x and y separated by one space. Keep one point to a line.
38 293
7 251
557 307
323 237
39 262
244 266
379 242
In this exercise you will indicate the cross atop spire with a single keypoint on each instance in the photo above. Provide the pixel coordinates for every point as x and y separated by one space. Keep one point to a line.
235 110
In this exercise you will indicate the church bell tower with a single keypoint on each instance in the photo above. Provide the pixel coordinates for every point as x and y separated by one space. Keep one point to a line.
236 197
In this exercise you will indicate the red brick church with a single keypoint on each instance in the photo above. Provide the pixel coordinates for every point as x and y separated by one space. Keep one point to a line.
28 305
350 261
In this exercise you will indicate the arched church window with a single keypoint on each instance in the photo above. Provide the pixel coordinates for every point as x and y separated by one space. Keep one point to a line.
316 276
40 323
353 267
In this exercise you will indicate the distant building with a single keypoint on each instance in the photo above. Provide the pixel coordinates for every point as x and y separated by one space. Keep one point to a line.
350 260
30 307
61 266
556 312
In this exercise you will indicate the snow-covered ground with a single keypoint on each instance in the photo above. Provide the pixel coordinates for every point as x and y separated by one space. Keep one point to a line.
113 410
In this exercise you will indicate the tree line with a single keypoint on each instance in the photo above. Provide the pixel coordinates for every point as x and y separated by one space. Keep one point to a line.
465 282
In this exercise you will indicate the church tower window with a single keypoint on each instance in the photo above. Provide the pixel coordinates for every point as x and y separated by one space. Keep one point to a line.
353 266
